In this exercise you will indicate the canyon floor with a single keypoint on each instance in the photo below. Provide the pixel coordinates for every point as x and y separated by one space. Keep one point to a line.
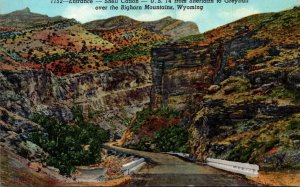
170 170
165 170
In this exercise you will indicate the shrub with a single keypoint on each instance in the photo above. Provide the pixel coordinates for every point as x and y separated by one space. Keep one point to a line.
127 53
69 145
143 145
241 154
174 138
294 124
140 119
270 144
282 93
244 153
146 113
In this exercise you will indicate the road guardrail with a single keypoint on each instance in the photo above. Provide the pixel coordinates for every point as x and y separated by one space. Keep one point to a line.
235 167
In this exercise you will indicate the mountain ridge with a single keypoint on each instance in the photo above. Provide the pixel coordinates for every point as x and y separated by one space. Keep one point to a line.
25 18
176 30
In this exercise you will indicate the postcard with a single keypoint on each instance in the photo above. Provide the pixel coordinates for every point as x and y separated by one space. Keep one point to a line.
150 92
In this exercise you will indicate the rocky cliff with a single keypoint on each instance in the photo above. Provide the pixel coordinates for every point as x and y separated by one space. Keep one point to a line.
114 95
14 134
238 88
181 74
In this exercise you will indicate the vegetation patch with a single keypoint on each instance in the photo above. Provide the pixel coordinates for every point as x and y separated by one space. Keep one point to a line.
191 38
69 145
281 93
174 138
244 153
145 114
294 124
159 131
127 53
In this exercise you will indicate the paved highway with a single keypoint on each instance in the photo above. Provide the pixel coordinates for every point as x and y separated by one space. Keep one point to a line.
170 170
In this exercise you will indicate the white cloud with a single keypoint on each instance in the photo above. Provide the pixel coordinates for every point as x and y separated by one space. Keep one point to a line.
83 13
238 13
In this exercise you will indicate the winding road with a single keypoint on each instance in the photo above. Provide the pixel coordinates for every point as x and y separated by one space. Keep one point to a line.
170 170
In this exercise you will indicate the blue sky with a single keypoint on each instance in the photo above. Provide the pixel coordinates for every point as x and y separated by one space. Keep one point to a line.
212 16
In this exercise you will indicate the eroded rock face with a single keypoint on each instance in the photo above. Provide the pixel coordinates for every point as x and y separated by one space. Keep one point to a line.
116 94
294 78
14 134
180 75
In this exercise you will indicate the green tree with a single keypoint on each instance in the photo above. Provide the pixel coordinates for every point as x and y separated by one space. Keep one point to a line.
69 144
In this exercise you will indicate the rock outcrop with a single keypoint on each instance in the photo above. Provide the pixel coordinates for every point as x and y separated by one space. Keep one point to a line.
14 135
181 75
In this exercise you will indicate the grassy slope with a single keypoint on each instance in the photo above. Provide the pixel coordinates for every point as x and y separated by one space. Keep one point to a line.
66 47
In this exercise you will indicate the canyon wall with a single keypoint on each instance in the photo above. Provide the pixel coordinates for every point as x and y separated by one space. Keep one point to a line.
181 75
114 95
241 85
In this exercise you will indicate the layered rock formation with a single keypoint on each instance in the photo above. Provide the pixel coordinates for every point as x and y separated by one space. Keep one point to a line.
115 94
181 75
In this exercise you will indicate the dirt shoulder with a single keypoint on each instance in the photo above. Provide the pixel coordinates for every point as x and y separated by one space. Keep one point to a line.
278 178
115 182
17 171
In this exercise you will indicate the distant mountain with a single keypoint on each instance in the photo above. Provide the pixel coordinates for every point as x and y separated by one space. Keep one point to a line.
25 18
167 26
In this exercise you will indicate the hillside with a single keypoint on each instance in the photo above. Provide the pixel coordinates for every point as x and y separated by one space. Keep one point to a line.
233 91
64 46
166 26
